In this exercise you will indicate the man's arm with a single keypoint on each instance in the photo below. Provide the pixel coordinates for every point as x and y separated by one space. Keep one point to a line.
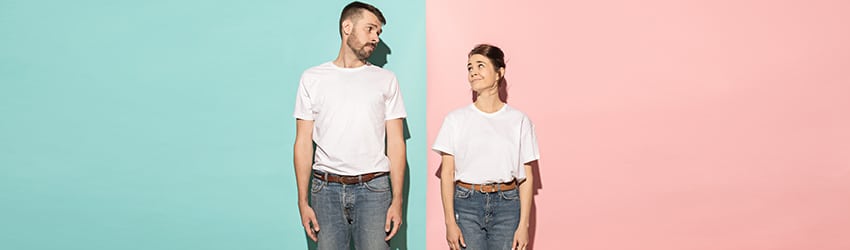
397 153
303 161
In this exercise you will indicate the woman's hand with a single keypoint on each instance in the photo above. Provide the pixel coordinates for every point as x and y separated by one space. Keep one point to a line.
454 237
520 238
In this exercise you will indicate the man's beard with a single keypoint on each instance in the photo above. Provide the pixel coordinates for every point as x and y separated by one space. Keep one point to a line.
361 52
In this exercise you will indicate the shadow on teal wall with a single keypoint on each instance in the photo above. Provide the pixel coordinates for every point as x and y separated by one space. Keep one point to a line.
167 125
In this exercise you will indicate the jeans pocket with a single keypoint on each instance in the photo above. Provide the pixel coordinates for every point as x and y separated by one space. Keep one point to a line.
462 193
510 194
317 185
380 184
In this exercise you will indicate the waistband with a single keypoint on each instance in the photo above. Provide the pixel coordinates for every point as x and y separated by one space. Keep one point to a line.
489 188
347 179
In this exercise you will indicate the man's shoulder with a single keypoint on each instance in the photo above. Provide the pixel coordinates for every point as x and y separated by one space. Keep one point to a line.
318 73
318 69
372 69
328 68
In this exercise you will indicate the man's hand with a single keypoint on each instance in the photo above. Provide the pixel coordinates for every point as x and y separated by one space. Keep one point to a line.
308 219
393 219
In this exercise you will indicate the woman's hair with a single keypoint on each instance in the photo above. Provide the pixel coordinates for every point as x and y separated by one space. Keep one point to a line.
495 54
497 58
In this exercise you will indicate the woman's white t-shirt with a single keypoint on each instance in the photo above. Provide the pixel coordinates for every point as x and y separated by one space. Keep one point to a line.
488 147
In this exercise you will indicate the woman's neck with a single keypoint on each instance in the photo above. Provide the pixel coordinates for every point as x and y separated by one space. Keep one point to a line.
489 103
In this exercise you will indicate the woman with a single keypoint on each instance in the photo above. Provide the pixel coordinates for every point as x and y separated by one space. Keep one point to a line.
486 150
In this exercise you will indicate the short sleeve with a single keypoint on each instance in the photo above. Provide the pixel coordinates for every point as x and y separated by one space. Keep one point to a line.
394 102
445 138
528 142
303 103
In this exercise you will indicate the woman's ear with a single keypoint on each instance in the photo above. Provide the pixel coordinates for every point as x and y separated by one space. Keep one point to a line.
502 72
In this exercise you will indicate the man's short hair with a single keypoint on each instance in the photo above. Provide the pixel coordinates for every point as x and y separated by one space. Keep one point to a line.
354 11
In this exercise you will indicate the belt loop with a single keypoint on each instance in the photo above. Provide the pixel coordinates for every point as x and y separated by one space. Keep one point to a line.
499 187
360 178
326 175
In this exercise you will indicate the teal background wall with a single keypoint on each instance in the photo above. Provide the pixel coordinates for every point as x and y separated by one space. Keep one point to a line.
167 124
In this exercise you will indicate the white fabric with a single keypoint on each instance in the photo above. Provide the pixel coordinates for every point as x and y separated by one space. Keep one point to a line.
349 107
488 147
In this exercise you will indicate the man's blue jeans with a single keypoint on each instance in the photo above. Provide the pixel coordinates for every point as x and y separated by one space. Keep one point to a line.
355 211
487 220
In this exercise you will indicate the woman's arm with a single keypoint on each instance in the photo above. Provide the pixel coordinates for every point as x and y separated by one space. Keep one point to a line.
447 189
526 193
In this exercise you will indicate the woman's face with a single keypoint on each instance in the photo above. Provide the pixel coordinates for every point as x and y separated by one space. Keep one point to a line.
482 74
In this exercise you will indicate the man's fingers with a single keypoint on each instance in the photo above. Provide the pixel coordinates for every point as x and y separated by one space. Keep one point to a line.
312 227
462 242
310 232
315 223
394 230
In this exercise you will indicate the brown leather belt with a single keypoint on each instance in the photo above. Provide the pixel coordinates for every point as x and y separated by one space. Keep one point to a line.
348 179
489 188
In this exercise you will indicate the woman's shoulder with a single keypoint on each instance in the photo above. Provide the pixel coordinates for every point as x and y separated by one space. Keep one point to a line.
461 111
512 111
457 115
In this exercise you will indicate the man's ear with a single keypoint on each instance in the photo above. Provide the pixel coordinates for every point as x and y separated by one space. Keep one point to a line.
347 26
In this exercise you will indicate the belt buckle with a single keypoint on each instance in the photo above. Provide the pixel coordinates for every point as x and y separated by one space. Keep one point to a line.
347 179
486 188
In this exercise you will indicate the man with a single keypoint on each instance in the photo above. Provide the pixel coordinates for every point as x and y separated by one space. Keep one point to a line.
348 108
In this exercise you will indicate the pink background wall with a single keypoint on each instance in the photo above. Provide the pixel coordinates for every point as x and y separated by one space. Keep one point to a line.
666 124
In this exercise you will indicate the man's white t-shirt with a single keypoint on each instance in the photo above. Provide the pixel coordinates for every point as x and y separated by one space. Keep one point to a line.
488 147
349 107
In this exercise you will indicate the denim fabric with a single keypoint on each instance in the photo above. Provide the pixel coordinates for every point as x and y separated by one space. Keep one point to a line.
355 211
487 220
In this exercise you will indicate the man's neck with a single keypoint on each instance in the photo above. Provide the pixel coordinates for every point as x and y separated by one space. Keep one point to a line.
347 59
